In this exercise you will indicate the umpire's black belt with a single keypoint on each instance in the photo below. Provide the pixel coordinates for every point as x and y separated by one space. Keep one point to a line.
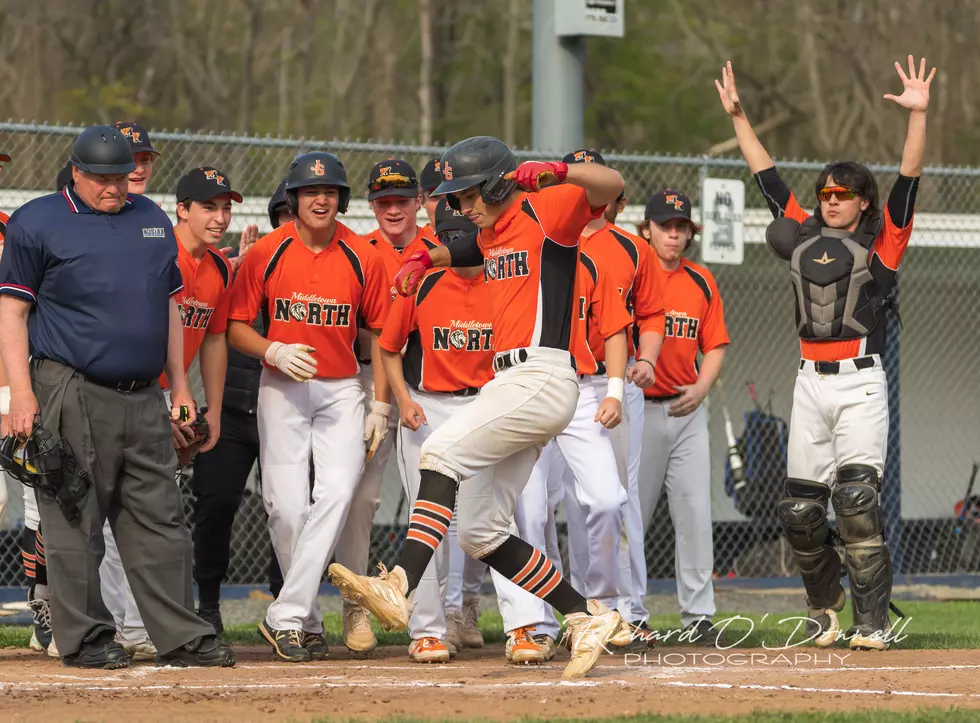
126 387
833 367
508 359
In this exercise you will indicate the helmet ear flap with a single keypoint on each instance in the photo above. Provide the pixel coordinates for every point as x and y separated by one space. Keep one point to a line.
344 199
292 202
495 190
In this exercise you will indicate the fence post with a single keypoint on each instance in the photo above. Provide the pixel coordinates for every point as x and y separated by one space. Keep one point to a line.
891 493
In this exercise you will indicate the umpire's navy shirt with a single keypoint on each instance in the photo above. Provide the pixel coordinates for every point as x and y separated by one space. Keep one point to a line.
100 283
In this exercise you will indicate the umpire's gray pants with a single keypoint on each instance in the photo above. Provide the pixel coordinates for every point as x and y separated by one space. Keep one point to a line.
675 454
125 443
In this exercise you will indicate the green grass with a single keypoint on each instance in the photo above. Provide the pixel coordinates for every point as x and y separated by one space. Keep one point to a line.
923 715
930 625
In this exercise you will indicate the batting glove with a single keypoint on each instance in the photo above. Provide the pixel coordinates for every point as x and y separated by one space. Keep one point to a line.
410 275
293 360
376 427
535 175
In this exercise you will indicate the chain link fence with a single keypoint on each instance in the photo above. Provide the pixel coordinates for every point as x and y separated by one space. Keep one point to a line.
935 405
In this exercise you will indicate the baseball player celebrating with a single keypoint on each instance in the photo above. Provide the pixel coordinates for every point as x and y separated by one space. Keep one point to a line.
446 332
844 262
393 193
312 277
675 451
528 244
586 447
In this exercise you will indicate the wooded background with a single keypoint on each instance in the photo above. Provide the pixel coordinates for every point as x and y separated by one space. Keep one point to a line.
811 73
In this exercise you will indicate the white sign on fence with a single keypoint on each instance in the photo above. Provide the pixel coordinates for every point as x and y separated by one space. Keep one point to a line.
606 18
722 216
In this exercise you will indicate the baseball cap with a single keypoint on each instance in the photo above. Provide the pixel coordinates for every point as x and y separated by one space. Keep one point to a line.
4 158
431 176
203 184
64 176
668 204
139 139
392 178
584 155
449 219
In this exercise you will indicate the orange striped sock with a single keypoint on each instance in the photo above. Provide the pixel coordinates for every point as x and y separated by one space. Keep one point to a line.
428 524
531 570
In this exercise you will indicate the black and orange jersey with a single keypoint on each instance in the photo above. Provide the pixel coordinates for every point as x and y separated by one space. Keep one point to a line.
601 313
884 258
530 257
393 258
446 331
313 298
695 321
635 272
204 300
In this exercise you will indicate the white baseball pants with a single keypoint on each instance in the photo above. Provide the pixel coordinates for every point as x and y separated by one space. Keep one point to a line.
354 546
676 454
838 419
632 552
325 416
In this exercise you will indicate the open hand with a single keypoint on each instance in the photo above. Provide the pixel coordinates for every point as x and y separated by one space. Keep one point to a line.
691 397
728 93
915 97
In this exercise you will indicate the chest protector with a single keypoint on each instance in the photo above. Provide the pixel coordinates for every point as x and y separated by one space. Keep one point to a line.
836 295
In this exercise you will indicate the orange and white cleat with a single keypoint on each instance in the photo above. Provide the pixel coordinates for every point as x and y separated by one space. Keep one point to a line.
522 649
428 650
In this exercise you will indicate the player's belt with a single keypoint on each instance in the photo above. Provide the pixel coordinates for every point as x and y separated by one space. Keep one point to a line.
665 398
508 359
467 392
600 369
833 367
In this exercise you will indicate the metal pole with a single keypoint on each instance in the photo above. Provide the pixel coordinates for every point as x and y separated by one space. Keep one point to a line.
557 76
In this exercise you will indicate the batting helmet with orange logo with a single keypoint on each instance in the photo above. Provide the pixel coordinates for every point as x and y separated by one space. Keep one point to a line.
317 169
479 161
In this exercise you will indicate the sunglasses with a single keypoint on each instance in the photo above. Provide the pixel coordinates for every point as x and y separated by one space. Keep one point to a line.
393 180
842 193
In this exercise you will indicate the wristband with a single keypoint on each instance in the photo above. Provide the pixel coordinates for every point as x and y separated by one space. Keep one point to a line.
4 400
615 388
652 365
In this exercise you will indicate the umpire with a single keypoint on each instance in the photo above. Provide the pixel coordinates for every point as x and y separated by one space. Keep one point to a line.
86 289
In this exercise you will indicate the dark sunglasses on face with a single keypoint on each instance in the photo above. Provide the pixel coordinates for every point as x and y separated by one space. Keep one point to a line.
842 193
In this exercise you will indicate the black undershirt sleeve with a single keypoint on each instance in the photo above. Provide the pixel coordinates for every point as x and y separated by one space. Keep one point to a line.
901 201
774 190
465 251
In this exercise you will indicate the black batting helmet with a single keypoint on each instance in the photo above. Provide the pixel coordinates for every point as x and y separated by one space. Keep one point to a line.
479 161
103 150
277 203
316 169
451 223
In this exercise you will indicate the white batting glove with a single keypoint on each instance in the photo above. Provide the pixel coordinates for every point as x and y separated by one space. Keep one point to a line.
376 427
293 360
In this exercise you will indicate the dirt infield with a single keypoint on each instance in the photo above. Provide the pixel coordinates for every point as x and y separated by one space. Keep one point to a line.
479 684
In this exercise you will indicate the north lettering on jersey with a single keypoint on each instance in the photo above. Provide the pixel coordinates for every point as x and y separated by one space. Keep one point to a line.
463 336
313 310
505 264
195 314
681 326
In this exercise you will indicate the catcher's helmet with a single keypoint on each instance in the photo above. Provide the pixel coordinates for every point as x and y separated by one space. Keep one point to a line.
277 202
316 169
103 150
37 460
479 161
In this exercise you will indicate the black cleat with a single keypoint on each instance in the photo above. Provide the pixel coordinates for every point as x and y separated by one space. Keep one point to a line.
315 644
102 651
202 652
212 615
287 644
702 633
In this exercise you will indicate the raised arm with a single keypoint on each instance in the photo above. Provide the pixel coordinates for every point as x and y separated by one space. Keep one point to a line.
752 149
915 99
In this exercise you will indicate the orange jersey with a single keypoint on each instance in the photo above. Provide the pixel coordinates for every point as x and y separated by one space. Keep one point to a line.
4 218
695 322
635 272
394 258
313 298
601 314
530 258
446 331
204 300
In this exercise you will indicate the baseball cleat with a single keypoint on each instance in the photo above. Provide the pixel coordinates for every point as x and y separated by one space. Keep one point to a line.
701 632
428 650
861 640
454 627
212 615
202 652
384 596
287 644
522 649
316 644
825 621
358 635
588 637
138 650
547 645
469 632
102 651
628 638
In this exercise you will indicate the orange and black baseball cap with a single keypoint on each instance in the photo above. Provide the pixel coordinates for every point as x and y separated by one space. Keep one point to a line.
431 176
667 205
203 184
392 178
139 139
584 155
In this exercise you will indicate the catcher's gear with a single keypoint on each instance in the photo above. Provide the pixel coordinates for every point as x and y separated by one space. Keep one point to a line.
277 203
103 150
316 169
376 427
293 360
535 175
479 161
410 275
48 465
